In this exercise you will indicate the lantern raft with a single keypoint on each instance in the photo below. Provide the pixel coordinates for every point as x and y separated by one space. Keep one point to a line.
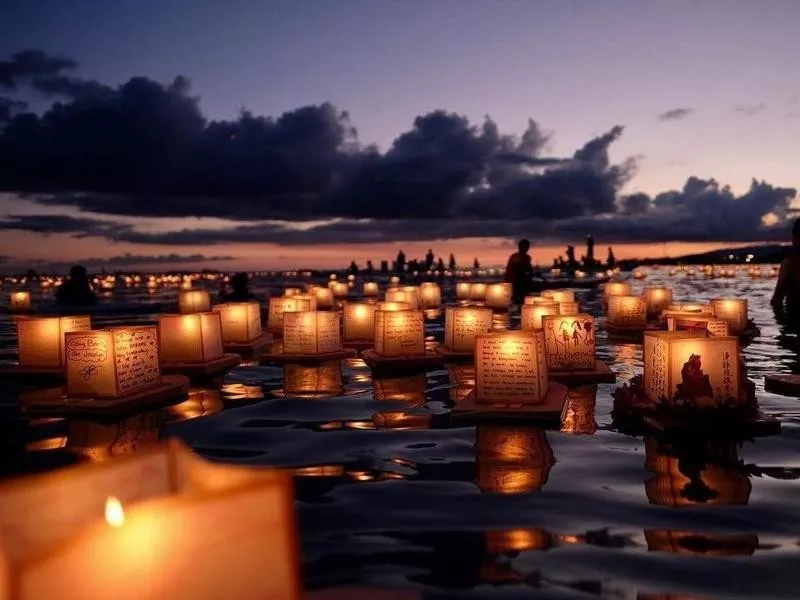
241 327
461 325
400 342
309 337
191 344
626 316
358 325
570 343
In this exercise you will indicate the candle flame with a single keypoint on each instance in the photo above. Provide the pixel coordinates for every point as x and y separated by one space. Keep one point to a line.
115 515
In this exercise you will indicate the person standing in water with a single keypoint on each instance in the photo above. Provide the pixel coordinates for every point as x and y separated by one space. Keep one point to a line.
76 291
519 271
787 289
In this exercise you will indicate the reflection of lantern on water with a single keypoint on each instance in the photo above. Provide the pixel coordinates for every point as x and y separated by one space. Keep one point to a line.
531 314
430 295
408 390
510 368
190 338
477 291
311 332
401 420
616 288
194 301
315 380
702 369
463 289
201 402
656 299
517 540
41 339
579 417
370 289
498 295
399 332
626 311
280 305
99 442
512 460
706 475
559 296
241 321
358 322
323 296
733 311
20 300
706 544
319 471
463 379
462 324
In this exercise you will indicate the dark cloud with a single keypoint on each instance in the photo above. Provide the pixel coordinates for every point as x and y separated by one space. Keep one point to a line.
31 63
128 260
749 110
675 114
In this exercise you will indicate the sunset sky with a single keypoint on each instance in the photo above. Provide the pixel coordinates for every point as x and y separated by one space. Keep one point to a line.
700 89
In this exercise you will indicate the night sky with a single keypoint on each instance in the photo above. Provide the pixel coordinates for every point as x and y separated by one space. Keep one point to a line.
394 125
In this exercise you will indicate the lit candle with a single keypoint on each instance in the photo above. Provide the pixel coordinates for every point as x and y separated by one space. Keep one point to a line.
194 301
498 295
241 321
193 338
531 314
462 324
656 300
41 339
359 322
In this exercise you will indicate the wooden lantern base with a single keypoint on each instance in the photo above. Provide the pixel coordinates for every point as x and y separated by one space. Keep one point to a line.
26 374
54 401
377 362
601 373
551 409
251 347
451 356
783 384
358 346
281 358
202 369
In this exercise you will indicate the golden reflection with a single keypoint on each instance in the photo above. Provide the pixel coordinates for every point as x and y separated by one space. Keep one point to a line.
512 460
579 415
627 354
408 390
99 442
52 443
315 381
319 471
517 540
501 321
707 475
200 403
241 391
401 420
431 314
683 542
463 379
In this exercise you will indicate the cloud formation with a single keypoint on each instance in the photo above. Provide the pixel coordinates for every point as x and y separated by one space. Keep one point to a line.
127 260
675 114
749 110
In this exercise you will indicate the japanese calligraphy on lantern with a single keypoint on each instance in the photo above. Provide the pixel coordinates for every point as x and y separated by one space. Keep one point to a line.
462 324
627 311
569 341
399 333
510 368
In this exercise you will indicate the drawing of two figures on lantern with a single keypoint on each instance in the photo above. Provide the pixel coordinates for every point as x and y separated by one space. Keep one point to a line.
578 332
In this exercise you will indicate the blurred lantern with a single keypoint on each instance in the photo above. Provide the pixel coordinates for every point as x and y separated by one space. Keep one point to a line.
568 308
340 290
394 280
41 339
477 291
292 291
462 324
639 273
323 296
510 367
463 289
311 332
195 338
692 307
194 301
559 296
412 295
359 322
402 295
399 333
281 305
569 342
656 299
616 288
241 321
390 306
531 314
626 312
733 311
498 295
20 300
430 295
370 289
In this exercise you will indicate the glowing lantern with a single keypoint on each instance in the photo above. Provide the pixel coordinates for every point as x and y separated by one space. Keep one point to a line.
656 300
569 341
359 322
279 306
370 289
462 324
692 322
20 300
498 295
81 554
477 291
195 338
463 289
700 309
569 308
510 368
559 296
691 365
531 314
311 332
394 280
311 299
194 301
403 295
323 297
537 300
512 460
626 312
41 339
733 311
340 290
351 277
399 333
241 321
616 288
430 295
412 295
313 380
112 362
579 417
639 274
292 291
390 306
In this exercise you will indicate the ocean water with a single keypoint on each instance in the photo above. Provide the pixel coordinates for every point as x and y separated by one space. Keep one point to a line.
392 492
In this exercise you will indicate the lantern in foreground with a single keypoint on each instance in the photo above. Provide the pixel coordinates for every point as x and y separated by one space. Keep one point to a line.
20 300
112 362
512 460
311 332
462 290
626 312
313 380
195 338
370 289
692 322
656 299
359 322
616 288
430 295
194 301
699 369
511 368
733 311
79 554
462 324
281 305
41 339
241 321
477 291
399 333
559 296
531 314
569 342
498 295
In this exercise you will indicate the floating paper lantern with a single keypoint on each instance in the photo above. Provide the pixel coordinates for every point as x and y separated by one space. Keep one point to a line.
537 300
394 280
279 306
463 289
462 324
531 314
351 277
370 289
403 295
323 297
399 333
292 291
569 308
340 290
692 322
512 460
692 365
412 295
733 311
639 274
194 301
359 322
579 412
311 332
195 338
510 368
127 556
691 307
390 306
241 321
313 380
616 288
477 291
569 341
430 295
112 362
559 296
656 300
626 312
20 300
498 295
41 339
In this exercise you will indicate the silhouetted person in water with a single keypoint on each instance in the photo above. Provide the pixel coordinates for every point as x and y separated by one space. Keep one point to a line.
400 264
440 265
611 258
571 257
519 271
240 291
353 268
476 264
370 268
787 289
429 260
76 291
452 263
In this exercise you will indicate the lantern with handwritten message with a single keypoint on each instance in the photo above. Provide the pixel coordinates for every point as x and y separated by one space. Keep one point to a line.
531 314
626 312
559 296
402 295
340 290
292 291
370 289
462 324
241 321
498 295
279 306
323 296
317 381
194 301
512 460
699 369
477 291
463 289
359 322
569 308
112 362
311 333
510 367
656 300
579 412
569 341
399 333
162 508
537 300
616 288
733 311
41 339
195 338
430 295
692 322
20 300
